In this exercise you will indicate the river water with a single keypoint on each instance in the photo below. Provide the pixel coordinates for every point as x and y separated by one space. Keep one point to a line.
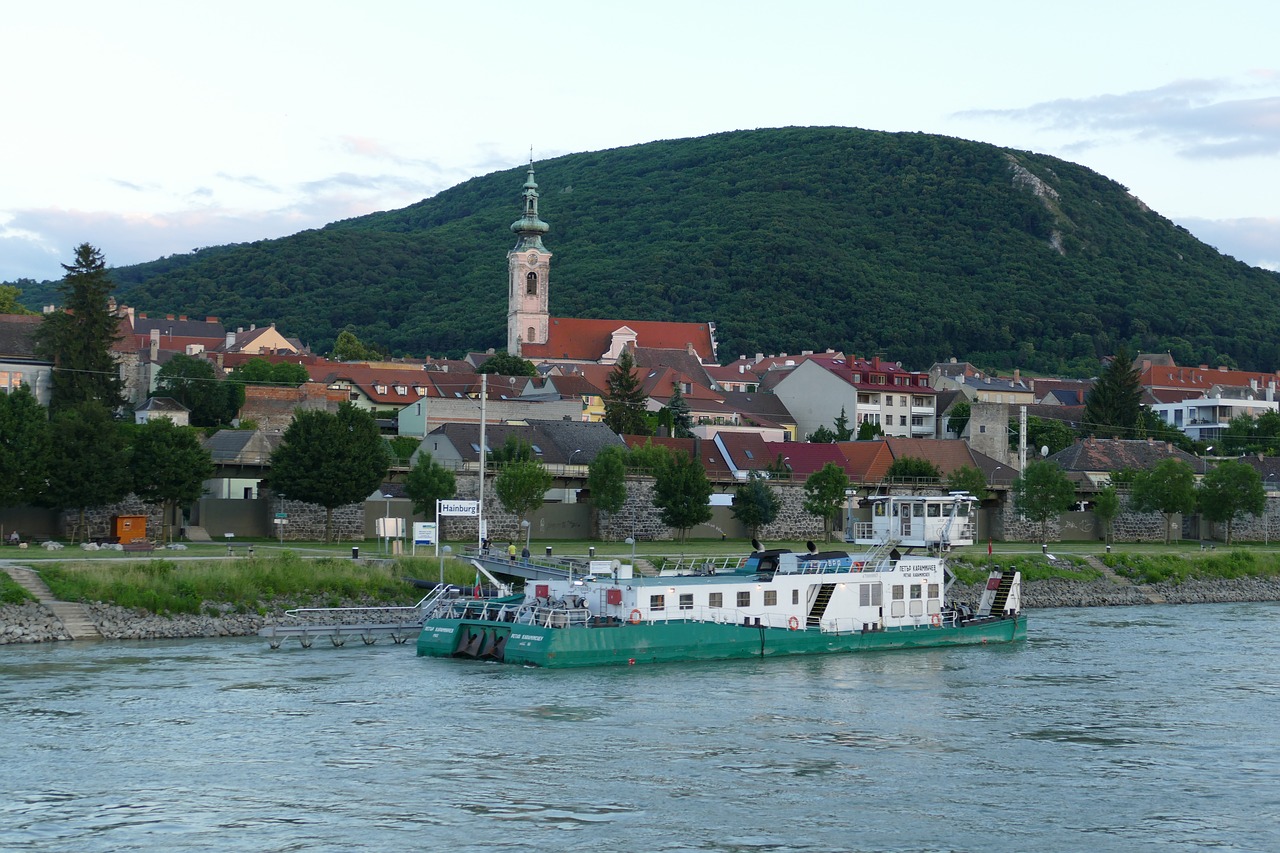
1109 729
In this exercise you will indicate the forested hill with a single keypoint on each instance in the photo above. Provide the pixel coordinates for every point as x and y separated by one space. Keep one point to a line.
913 246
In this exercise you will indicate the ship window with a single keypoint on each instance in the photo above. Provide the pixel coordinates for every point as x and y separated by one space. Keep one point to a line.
657 602
918 510
770 598
880 509
897 592
916 591
935 510
715 599
744 599
686 601
795 596
869 594
933 590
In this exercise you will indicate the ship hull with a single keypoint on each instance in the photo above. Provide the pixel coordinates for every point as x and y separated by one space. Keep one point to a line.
673 641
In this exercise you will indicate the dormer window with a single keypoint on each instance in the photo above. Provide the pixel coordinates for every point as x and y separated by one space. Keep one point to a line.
381 389
402 389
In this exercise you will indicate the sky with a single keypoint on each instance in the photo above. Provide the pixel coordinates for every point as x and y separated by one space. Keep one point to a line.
155 128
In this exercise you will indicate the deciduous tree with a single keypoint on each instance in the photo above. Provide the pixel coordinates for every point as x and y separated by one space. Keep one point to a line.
607 479
522 487
969 479
169 467
330 459
505 364
194 383
24 448
824 494
427 482
682 493
88 460
1043 492
1168 488
1231 490
1106 506
756 503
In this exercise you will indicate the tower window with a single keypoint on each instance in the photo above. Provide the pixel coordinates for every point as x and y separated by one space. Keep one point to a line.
531 284
529 337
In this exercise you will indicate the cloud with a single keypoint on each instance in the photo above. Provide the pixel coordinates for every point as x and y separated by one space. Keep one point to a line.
1202 119
33 242
1253 240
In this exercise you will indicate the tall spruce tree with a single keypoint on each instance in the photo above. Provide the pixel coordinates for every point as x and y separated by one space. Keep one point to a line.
78 337
1114 404
681 417
624 399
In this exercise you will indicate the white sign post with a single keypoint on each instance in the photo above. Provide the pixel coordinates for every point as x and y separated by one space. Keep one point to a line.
471 509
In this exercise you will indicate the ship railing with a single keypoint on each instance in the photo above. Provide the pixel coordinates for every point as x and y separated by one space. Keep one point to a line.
477 608
828 567
720 615
703 565
851 625
552 617
403 614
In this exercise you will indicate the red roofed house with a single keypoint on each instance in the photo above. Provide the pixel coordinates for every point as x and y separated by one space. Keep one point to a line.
819 388
532 333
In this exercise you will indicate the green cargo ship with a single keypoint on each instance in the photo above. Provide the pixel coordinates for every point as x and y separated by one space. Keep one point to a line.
770 603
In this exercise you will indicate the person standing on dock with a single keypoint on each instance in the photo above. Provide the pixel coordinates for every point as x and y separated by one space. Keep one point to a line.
511 552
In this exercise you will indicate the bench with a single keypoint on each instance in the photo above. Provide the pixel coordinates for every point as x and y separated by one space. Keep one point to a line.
138 545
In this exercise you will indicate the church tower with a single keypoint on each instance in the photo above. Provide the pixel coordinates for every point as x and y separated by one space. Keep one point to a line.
528 275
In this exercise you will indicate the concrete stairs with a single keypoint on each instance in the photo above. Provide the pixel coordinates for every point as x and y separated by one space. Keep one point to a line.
1148 592
73 615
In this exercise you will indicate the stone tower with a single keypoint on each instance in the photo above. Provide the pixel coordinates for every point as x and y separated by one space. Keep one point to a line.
989 430
528 275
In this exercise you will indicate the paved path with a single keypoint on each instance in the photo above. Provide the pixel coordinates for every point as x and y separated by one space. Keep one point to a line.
73 615
1151 594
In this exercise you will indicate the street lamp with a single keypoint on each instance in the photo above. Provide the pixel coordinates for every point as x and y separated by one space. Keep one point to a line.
571 455
528 532
630 540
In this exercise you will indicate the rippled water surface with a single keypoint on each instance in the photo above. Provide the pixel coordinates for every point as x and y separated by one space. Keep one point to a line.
1109 729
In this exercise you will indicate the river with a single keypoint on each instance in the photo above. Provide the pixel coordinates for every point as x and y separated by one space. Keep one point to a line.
1125 728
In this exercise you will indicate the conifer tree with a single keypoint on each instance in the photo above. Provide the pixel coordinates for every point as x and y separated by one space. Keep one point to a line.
78 337
624 400
1112 407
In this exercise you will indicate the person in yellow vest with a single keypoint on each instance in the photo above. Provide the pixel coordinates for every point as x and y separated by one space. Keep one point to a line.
511 552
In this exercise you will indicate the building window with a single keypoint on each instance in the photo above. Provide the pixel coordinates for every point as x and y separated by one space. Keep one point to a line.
744 599
715 599
657 602
686 601
531 284
902 420
528 334
770 598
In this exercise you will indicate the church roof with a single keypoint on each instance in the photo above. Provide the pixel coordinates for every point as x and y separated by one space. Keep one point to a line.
589 340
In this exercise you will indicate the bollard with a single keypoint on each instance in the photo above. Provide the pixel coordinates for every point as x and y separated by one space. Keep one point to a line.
355 552
250 550
591 552
548 550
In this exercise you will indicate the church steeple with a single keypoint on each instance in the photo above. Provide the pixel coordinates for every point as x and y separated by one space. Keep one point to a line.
530 227
528 275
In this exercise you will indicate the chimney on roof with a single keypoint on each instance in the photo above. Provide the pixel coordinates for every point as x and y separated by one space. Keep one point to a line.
231 340
1017 376
688 347
168 316
142 315
875 362
154 352
211 319
253 326
182 317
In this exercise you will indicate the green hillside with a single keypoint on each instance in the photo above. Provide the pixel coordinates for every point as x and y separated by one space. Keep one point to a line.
914 246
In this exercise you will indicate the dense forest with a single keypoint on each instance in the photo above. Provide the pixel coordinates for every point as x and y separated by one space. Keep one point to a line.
913 246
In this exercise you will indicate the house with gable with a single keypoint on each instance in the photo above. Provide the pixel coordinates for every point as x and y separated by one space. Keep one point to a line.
19 364
818 389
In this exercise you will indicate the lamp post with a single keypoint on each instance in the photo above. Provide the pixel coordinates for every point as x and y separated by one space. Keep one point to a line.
571 455
386 525
528 532
1267 488
630 540
444 552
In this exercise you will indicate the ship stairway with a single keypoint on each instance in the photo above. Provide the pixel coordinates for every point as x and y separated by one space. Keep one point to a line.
996 595
877 559
819 607
339 624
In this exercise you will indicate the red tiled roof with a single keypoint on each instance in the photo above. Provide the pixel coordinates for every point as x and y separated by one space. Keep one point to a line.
805 457
588 340
716 467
